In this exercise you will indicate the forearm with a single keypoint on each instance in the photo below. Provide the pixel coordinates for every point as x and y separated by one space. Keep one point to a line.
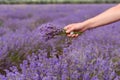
109 16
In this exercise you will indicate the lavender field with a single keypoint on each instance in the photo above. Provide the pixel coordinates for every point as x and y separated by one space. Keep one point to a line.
32 49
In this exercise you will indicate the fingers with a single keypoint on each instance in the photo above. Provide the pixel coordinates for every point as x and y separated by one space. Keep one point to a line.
66 27
69 28
72 35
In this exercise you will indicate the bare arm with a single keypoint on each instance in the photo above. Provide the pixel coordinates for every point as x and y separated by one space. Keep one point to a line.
107 17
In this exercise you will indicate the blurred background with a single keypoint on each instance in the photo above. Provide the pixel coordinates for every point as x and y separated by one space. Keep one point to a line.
55 1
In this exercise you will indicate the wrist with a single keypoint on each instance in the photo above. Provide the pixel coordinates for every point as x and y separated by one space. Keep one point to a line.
88 24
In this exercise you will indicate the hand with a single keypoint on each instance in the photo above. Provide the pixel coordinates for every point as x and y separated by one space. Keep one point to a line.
74 27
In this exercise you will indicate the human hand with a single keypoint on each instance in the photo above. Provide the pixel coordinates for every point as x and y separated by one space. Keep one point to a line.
75 27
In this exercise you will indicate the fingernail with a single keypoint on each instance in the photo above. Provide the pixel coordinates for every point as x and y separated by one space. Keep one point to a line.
67 31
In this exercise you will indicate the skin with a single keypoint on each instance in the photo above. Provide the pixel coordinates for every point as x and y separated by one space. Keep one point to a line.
109 16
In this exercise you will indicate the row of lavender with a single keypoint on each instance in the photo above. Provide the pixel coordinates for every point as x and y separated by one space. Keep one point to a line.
19 34
92 56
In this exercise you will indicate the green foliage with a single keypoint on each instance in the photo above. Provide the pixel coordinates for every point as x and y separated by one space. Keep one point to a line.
1 22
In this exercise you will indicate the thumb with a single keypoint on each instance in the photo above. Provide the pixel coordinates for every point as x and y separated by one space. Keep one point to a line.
69 30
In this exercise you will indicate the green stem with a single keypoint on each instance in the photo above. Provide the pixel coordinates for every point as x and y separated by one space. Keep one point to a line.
63 32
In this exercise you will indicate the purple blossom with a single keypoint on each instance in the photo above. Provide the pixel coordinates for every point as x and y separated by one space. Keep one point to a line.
31 49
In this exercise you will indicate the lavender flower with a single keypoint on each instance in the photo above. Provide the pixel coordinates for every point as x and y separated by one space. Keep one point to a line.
33 45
